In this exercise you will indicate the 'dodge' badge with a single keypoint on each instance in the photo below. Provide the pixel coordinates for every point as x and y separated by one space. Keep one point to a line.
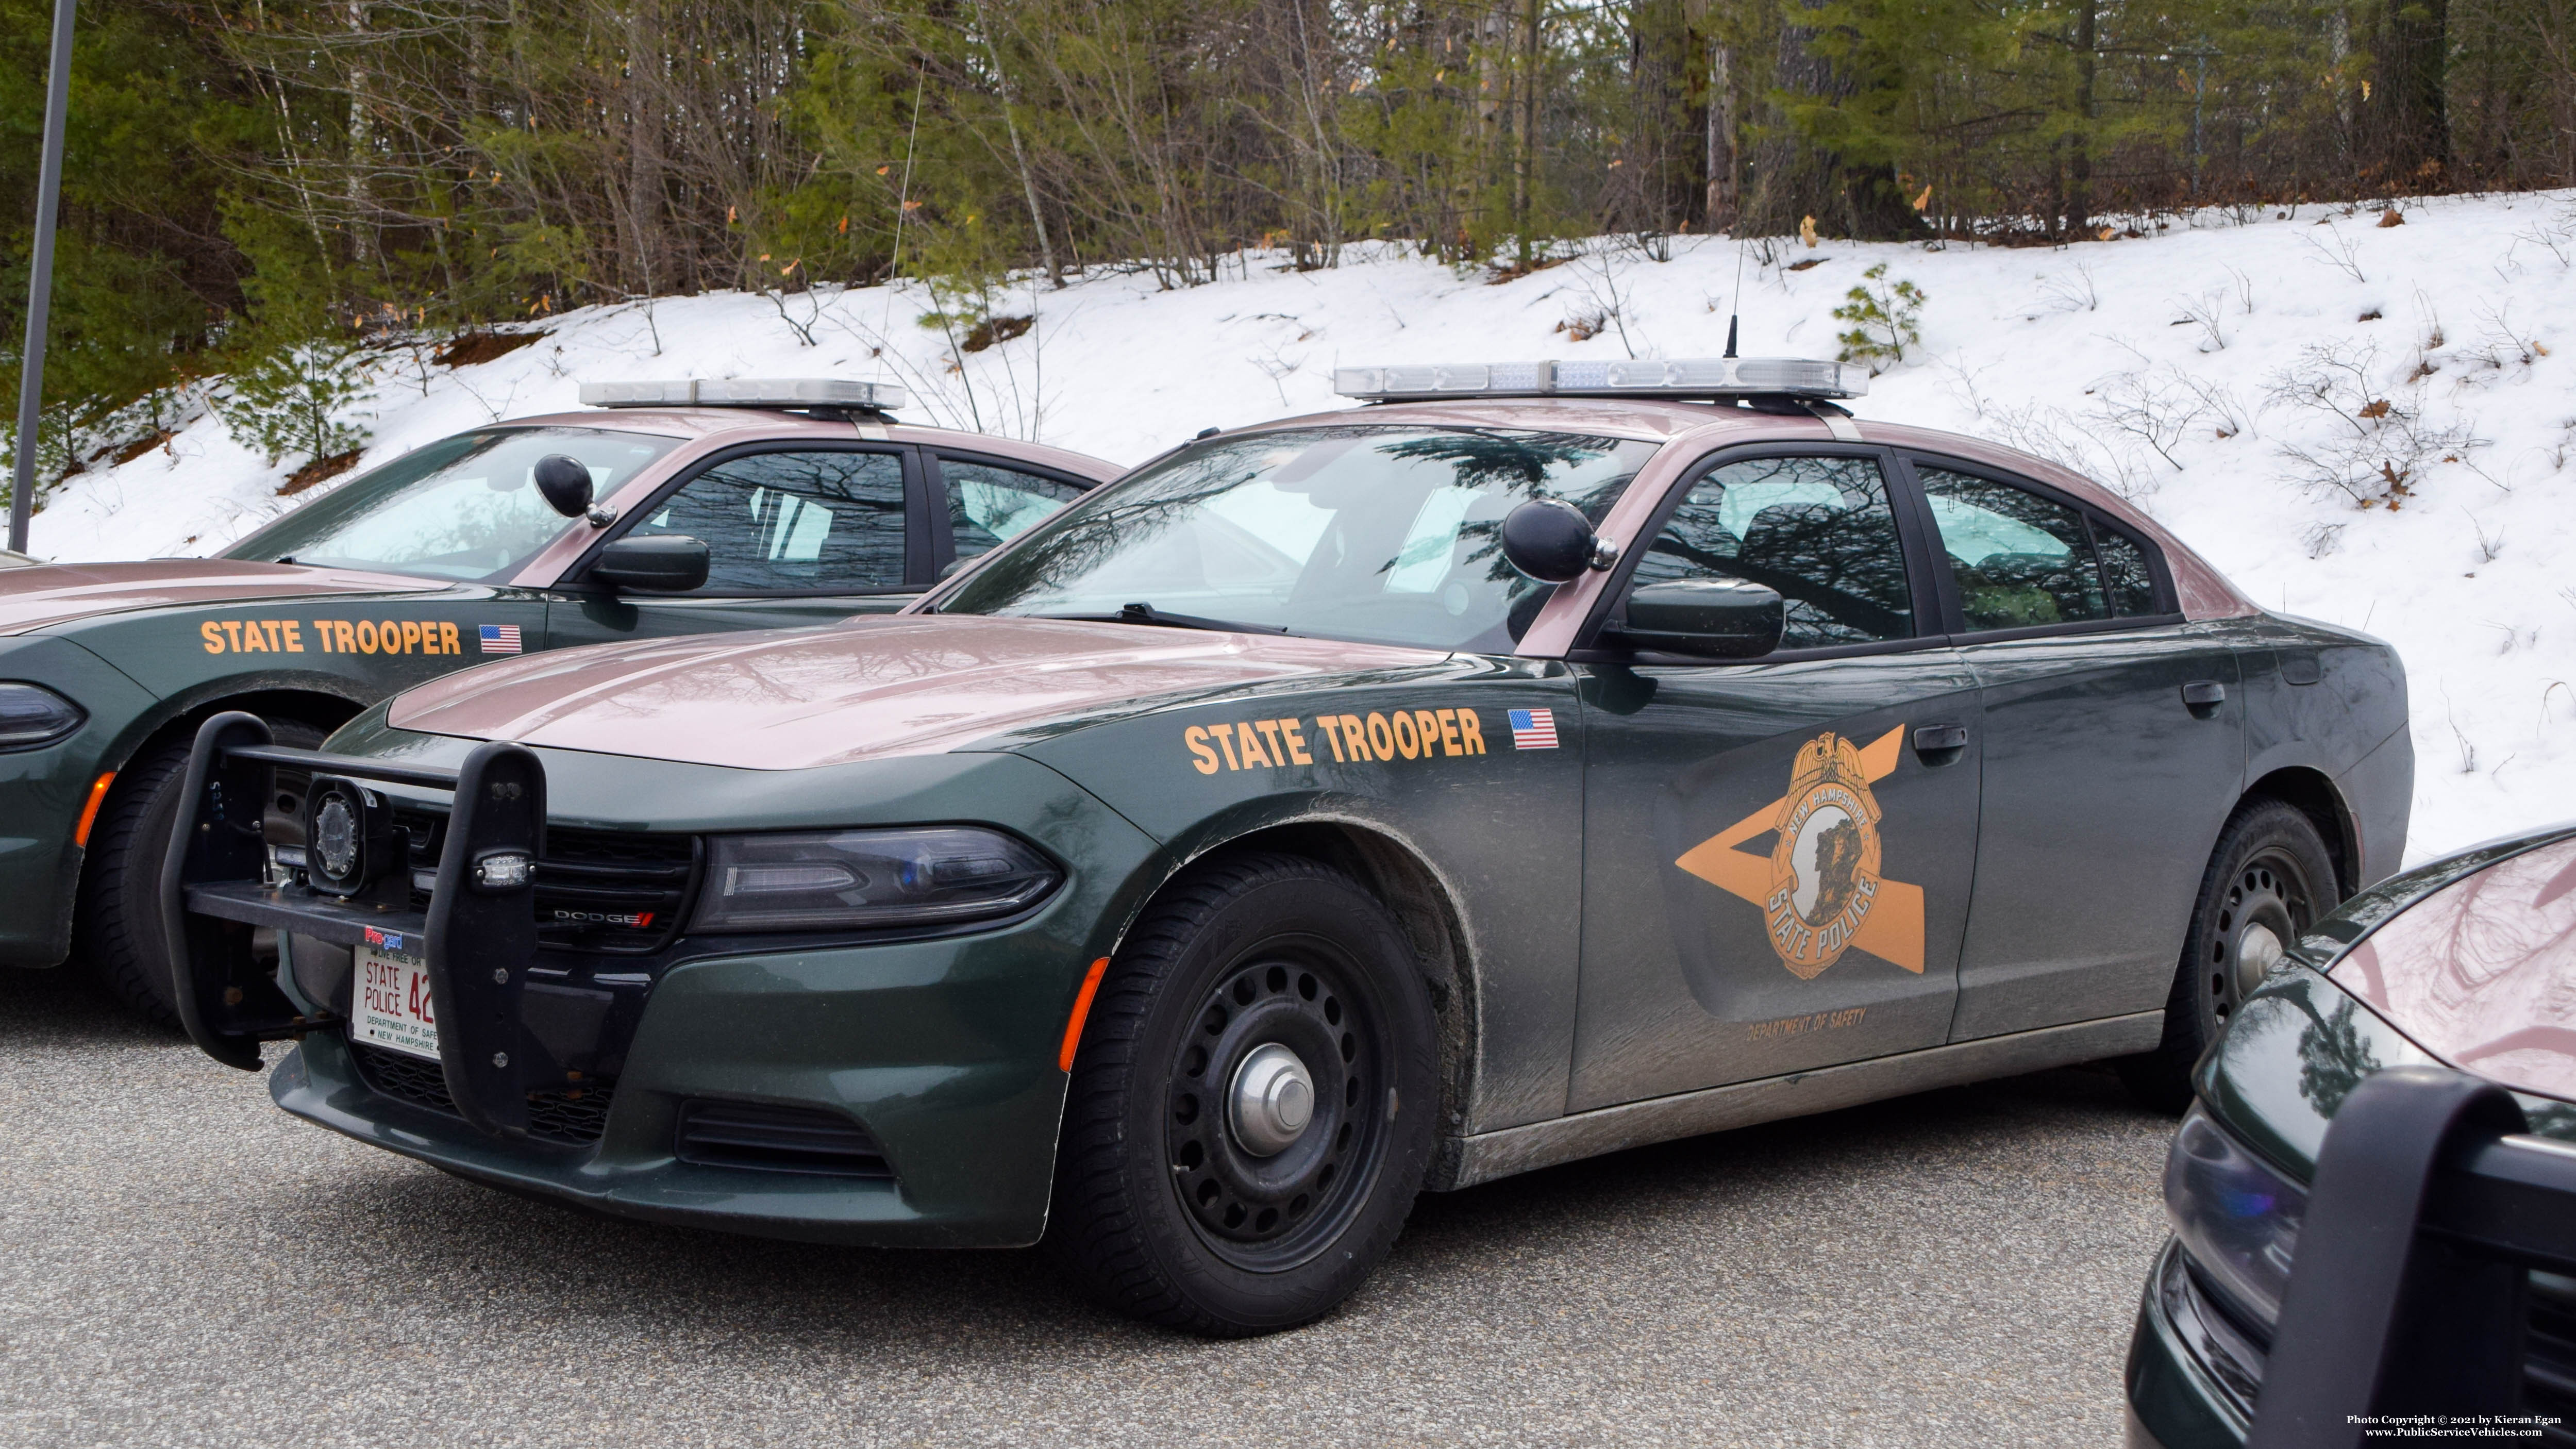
1824 868
1820 889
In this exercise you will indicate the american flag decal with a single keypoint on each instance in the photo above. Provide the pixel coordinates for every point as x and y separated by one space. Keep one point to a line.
1533 729
500 639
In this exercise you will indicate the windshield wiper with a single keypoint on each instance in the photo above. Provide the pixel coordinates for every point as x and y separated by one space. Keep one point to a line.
1147 614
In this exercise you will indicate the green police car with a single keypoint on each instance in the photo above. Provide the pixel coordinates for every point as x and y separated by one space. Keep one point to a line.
1540 761
692 507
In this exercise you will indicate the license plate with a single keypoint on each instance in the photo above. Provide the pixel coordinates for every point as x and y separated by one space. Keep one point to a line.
393 1003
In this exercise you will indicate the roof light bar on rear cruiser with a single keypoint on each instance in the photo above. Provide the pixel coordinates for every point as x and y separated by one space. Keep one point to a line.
1691 377
746 392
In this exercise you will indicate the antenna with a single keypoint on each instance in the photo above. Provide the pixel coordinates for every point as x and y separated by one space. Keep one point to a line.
1735 304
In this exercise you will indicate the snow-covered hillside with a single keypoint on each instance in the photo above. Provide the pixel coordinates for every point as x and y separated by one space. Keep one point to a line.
2170 366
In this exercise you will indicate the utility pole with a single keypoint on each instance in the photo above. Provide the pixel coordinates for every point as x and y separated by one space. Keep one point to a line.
40 281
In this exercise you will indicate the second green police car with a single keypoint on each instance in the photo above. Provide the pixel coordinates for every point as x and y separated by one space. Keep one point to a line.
787 502
1542 761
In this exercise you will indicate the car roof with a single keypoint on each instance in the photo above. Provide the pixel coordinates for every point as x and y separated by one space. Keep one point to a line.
768 424
2202 590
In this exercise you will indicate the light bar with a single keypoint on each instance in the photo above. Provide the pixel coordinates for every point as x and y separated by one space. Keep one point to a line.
745 392
1638 377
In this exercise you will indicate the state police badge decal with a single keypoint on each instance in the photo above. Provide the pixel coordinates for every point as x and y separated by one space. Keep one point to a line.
1824 865
1818 886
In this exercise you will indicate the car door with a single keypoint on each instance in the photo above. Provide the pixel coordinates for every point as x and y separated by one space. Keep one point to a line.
796 534
980 503
1777 852
2105 785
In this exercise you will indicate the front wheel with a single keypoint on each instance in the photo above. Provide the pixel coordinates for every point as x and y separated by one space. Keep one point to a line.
1251 1110
2268 881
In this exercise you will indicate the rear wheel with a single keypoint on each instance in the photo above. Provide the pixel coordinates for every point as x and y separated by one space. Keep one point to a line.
118 927
2268 881
1251 1110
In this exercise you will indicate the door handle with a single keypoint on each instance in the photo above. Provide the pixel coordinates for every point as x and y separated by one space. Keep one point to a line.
2203 697
1942 740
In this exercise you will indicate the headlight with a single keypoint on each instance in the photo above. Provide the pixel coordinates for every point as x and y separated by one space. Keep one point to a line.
2237 1218
31 714
837 879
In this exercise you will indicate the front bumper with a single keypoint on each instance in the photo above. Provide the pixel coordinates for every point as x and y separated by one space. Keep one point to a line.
926 1045
43 790
2176 1398
936 1051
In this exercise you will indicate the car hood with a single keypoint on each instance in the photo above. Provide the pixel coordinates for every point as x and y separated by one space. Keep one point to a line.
865 689
32 598
2482 972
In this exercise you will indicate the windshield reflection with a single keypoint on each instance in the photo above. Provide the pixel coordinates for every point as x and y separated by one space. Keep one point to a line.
462 508
1379 534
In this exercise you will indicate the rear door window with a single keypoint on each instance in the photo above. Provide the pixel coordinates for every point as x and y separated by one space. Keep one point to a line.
989 505
818 521
1818 530
2020 561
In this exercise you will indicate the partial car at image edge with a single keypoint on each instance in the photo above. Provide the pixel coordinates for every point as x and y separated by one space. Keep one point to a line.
2468 962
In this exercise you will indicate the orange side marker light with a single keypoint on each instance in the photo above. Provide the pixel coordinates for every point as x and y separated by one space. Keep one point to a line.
1081 1009
89 812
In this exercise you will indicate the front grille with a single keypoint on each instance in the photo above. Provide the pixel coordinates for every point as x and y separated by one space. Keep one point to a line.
2233 1355
574 1116
777 1139
615 891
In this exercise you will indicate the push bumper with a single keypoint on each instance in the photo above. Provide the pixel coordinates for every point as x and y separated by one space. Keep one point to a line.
2174 1401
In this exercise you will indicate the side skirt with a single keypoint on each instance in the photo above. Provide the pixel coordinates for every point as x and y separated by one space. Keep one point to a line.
1466 1161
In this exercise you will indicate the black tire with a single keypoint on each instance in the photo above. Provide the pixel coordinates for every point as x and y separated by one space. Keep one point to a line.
1163 1209
117 926
2268 881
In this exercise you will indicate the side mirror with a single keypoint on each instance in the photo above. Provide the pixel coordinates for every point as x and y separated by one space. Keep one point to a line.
1551 541
667 564
1721 618
565 482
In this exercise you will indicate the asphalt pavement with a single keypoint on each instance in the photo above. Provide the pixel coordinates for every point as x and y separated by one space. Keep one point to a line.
181 1263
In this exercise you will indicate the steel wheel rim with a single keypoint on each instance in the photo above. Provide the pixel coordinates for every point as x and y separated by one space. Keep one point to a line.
1269 1211
2268 905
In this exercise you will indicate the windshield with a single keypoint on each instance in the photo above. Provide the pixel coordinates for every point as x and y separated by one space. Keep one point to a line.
465 507
1376 534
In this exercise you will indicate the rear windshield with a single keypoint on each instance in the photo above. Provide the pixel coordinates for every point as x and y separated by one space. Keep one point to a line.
465 507
1377 534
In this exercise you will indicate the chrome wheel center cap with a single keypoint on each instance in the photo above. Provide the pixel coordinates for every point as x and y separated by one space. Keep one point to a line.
2257 952
1271 1101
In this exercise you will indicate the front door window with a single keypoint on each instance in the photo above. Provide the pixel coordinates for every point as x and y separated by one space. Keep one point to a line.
1818 530
793 522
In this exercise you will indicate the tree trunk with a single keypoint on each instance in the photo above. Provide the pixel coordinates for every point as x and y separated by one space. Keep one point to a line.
2408 124
361 144
1795 178
1019 155
1722 162
2079 161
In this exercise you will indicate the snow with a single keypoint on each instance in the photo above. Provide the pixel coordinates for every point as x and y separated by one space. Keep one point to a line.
2052 350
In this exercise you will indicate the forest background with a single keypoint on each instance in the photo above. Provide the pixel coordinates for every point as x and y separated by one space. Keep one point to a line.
267 183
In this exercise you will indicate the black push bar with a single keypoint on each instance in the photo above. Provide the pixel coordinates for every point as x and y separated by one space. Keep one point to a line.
480 930
2408 1288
